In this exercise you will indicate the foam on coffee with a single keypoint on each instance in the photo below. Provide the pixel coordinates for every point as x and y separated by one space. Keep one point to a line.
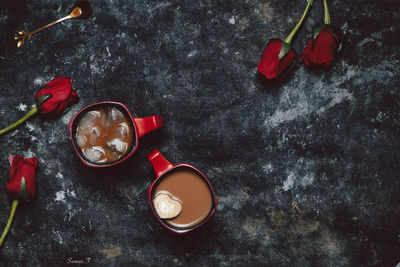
104 134
191 191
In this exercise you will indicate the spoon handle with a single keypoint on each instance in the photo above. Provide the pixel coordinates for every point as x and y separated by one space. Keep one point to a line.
22 35
49 25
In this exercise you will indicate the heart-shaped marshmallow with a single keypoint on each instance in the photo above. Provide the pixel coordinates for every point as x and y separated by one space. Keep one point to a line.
166 207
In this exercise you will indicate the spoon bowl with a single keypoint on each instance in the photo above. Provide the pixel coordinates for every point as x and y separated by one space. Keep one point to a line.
81 10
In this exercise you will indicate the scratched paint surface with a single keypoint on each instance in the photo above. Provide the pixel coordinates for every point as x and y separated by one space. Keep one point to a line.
305 173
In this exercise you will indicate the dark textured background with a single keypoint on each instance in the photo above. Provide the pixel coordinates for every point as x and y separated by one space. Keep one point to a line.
305 173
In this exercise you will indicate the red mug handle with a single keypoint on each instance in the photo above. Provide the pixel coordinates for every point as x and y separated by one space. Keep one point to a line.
148 124
160 164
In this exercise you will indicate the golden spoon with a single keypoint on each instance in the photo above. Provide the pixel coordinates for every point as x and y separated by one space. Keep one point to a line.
80 10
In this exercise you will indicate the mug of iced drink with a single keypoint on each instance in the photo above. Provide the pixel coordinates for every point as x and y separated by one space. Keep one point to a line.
181 197
105 133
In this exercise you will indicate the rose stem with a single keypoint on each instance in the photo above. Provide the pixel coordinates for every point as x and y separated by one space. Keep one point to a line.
20 121
289 38
10 219
327 19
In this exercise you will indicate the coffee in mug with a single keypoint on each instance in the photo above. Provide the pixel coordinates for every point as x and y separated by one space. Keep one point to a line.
181 197
104 134
184 191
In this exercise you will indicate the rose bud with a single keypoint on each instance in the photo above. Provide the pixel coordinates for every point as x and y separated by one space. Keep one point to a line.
278 56
51 101
56 96
22 182
322 47
21 185
325 42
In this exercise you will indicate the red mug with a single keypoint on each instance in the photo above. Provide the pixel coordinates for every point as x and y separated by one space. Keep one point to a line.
163 168
140 126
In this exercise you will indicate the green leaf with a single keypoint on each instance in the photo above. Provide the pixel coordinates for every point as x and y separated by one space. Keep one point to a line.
340 47
317 29
41 99
23 189
336 38
284 50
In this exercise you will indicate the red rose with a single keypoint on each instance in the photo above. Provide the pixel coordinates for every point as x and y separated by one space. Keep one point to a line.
322 47
278 57
51 101
56 96
21 185
22 181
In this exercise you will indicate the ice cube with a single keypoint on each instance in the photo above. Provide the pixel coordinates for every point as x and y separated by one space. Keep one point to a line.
111 115
81 139
95 154
105 119
94 133
122 130
116 145
89 118
116 115
90 132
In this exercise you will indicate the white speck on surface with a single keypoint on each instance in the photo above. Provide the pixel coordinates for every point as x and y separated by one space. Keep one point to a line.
95 69
57 135
168 96
308 179
39 81
108 51
289 182
281 116
60 196
59 175
365 41
53 166
28 154
338 95
301 174
344 27
268 168
30 127
71 193
22 107
58 237
232 20
160 5
192 53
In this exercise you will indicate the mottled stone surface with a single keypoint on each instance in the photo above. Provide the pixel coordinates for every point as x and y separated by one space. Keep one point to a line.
306 173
